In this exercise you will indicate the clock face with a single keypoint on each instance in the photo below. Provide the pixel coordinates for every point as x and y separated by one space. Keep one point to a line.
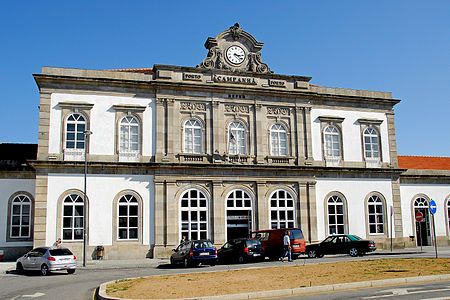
235 55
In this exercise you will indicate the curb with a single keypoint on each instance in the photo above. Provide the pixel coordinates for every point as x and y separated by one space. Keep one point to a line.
296 291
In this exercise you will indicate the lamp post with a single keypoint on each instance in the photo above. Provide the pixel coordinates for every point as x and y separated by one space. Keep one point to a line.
86 133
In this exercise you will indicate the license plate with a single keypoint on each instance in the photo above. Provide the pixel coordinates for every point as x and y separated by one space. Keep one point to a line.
204 253
256 254
64 259
295 245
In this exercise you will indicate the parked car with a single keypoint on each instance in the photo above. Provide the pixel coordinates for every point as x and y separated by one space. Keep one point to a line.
192 253
272 241
341 244
241 251
47 259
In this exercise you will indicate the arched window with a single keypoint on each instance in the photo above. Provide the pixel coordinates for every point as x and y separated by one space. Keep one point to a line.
371 144
72 225
421 203
75 128
278 140
128 218
237 138
192 136
194 215
336 215
20 217
282 210
448 214
332 141
129 134
375 208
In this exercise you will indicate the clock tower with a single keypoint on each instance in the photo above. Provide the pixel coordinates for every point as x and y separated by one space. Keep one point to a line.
234 50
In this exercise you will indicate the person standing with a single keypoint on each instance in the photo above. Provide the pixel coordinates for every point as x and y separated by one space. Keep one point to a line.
287 246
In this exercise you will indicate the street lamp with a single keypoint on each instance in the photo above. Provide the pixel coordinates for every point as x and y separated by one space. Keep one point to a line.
86 133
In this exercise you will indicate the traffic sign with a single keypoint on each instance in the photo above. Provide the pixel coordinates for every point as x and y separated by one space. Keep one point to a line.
433 207
419 216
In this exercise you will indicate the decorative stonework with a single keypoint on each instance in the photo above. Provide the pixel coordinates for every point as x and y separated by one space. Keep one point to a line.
234 36
278 111
237 108
192 106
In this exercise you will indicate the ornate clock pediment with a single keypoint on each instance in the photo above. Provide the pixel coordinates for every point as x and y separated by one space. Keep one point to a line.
236 50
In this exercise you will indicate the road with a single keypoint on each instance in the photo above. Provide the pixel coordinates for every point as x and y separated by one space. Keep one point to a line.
429 290
82 284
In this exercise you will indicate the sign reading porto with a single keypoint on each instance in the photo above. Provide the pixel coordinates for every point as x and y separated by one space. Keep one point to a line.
235 79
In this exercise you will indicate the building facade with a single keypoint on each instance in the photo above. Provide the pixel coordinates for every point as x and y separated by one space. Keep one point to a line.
213 151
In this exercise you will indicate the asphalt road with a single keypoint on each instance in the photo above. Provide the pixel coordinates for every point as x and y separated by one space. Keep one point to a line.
82 284
430 290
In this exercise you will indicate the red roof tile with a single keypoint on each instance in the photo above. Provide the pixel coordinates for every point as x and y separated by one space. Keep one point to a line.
423 162
141 70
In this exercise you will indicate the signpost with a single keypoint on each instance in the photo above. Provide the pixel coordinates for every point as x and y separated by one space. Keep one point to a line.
433 209
419 218
392 213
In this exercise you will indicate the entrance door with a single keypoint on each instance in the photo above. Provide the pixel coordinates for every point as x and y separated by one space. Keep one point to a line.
423 228
239 214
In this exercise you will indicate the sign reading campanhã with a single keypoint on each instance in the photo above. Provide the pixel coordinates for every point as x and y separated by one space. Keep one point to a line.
235 79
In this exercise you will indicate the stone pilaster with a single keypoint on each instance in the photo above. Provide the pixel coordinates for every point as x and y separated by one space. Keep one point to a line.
312 211
263 205
172 215
260 133
170 129
218 213
396 199
160 219
40 206
217 150
302 210
44 127
392 139
307 135
160 129
300 135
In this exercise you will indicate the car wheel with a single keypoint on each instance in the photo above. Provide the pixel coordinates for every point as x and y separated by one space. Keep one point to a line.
312 253
353 252
44 270
241 259
361 253
19 268
172 262
186 263
319 255
70 271
213 263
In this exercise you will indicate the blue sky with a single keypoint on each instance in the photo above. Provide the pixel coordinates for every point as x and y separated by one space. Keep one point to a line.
397 46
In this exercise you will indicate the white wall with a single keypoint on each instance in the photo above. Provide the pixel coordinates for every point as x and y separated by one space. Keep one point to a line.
438 192
355 191
103 122
8 187
101 191
351 133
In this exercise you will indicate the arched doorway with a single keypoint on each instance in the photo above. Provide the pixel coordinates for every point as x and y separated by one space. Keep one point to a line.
423 228
239 214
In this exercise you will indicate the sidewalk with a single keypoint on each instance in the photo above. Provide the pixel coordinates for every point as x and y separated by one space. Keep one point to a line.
147 262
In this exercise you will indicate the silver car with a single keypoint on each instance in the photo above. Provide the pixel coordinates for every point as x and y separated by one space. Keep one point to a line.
46 259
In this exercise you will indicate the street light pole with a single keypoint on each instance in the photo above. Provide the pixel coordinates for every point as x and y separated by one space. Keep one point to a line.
86 133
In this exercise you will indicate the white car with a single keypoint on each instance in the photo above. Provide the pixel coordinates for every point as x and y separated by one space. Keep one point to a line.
46 259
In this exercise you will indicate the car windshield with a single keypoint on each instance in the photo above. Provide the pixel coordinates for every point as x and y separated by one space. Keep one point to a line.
252 243
203 244
354 237
60 252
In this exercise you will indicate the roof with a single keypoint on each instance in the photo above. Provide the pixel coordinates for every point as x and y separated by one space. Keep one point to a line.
141 70
423 162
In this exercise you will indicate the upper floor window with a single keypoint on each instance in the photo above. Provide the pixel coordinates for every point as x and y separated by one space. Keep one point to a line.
75 128
278 140
192 136
376 215
128 222
332 141
20 217
129 134
371 143
237 138
73 218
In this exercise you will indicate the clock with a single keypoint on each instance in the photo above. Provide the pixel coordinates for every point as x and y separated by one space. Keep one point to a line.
235 55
